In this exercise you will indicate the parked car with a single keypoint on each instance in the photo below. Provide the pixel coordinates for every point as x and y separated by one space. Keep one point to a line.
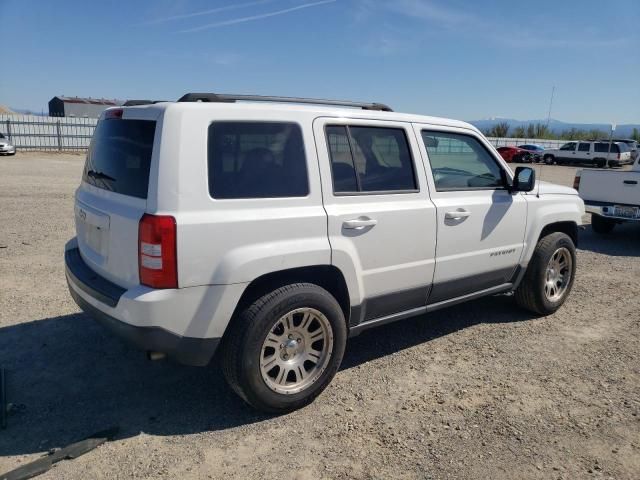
6 148
536 150
599 154
272 231
610 197
515 154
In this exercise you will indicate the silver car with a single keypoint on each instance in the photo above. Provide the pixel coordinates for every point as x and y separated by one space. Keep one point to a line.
5 146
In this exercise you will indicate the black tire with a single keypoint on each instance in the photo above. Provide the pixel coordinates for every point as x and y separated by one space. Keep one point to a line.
602 225
530 294
549 159
243 341
600 162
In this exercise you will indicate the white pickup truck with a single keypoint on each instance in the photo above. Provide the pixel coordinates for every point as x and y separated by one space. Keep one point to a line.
611 197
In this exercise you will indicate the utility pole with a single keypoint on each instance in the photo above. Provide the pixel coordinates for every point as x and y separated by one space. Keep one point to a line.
553 91
613 129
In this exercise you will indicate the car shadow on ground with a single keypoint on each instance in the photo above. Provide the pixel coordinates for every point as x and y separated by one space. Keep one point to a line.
623 241
68 378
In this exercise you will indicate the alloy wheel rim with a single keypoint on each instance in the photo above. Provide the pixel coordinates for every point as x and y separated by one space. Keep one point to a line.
296 350
558 274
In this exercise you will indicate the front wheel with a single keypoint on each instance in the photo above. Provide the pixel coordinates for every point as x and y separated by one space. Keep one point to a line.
549 276
283 350
549 159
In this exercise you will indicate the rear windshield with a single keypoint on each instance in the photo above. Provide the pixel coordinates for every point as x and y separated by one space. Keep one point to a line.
119 156
623 147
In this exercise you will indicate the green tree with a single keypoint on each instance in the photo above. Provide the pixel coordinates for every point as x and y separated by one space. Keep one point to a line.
636 135
519 132
542 131
531 131
595 134
499 130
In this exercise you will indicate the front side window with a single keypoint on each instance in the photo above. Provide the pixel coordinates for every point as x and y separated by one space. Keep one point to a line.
568 146
370 159
584 147
256 160
461 162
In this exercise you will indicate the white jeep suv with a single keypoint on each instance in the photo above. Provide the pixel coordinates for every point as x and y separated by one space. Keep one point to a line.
270 229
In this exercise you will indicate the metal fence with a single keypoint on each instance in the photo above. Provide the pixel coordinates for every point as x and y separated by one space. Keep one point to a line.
61 134
514 142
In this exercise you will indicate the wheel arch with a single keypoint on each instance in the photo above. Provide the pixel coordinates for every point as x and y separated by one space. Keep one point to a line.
328 277
568 227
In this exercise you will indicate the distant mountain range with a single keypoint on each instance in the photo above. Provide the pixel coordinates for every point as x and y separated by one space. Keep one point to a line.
556 126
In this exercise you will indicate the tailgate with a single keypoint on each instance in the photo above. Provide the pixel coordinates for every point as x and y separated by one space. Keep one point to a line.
611 187
113 197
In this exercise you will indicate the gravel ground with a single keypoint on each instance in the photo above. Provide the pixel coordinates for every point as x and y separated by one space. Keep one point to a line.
481 390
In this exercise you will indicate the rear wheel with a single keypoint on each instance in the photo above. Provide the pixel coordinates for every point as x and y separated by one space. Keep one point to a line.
602 225
284 349
549 276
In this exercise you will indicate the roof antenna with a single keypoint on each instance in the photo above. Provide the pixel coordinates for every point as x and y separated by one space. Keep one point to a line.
553 91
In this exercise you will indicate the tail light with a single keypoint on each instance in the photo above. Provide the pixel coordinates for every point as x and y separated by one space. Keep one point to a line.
157 256
576 181
618 157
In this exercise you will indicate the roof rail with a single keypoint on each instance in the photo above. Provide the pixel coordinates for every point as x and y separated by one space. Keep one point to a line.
230 98
133 103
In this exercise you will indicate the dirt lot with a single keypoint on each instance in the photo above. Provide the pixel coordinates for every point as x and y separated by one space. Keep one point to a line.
481 390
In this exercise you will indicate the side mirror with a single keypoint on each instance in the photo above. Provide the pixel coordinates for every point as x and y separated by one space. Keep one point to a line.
524 180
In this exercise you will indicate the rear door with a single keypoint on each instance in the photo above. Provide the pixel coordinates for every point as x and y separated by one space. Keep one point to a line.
382 224
481 225
113 194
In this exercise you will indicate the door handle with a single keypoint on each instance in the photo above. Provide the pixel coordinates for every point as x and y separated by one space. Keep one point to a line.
359 223
630 182
457 214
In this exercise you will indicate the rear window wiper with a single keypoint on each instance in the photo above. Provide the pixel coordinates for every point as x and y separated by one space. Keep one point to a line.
100 175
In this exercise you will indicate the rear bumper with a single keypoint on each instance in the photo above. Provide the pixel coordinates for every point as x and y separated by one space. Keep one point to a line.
186 350
186 324
605 209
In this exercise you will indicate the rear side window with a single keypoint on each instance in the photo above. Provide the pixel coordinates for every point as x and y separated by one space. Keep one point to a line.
604 148
584 147
370 159
119 156
256 160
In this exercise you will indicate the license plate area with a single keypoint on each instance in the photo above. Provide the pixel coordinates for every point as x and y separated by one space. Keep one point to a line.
626 212
92 228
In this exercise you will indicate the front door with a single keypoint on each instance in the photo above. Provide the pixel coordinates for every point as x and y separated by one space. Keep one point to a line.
481 225
380 218
583 153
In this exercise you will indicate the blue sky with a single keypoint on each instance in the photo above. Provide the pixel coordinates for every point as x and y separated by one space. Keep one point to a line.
453 58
